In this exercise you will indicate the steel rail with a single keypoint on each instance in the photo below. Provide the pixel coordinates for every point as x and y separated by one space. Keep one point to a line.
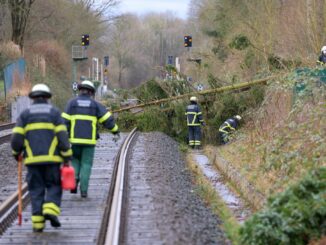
7 126
5 138
9 208
113 229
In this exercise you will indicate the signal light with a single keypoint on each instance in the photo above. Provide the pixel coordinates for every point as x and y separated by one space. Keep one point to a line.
85 40
188 41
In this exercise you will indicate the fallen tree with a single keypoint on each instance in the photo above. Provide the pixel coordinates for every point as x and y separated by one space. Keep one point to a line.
205 92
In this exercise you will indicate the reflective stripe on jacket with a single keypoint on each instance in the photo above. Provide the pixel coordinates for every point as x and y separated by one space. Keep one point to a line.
229 125
82 115
40 133
194 115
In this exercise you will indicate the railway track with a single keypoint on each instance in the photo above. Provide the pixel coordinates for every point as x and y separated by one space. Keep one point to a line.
5 132
84 221
154 202
6 126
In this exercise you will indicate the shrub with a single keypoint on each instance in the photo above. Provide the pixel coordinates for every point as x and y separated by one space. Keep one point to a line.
240 42
126 121
8 53
150 91
152 120
296 216
56 57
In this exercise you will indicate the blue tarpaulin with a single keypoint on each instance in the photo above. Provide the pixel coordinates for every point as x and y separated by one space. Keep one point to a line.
13 71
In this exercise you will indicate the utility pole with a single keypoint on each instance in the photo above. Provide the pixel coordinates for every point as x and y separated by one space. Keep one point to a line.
95 65
78 53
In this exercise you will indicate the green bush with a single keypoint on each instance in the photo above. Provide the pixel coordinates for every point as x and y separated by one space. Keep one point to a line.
126 121
170 117
240 42
178 128
150 91
296 216
152 120
217 108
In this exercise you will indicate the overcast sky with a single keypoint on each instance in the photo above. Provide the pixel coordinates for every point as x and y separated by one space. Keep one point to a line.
179 7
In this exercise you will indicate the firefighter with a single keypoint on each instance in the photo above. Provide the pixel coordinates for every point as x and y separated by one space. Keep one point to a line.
322 58
41 136
82 115
228 127
194 121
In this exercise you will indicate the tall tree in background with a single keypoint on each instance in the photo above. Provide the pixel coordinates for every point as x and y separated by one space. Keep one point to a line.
19 11
101 9
121 39
139 46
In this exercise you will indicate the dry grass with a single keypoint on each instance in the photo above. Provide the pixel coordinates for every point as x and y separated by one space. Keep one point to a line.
54 54
322 241
20 86
10 51
280 145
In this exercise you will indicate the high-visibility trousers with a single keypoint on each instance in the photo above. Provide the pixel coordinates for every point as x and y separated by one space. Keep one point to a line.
194 134
82 162
44 186
224 137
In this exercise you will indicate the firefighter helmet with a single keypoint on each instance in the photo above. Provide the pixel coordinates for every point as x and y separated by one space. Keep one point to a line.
40 90
193 98
237 117
87 85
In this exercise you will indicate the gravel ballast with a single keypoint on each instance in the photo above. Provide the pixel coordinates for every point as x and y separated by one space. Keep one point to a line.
181 216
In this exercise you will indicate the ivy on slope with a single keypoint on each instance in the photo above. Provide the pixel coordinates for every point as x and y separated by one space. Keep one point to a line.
295 216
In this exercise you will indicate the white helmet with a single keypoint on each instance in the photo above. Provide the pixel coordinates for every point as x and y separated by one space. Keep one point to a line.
193 98
237 117
323 49
40 90
87 85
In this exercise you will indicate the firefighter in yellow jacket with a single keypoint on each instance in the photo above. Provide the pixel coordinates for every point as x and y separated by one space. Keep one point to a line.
41 136
82 115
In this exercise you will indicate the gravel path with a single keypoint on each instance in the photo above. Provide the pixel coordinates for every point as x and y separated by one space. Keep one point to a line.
181 216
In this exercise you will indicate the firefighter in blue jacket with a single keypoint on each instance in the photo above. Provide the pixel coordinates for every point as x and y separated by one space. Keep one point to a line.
194 121
41 136
82 115
228 127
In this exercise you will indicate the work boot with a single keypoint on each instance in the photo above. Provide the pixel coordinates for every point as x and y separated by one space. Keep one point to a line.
37 230
53 219
74 191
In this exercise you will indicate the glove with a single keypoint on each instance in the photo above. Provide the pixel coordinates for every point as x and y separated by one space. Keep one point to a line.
16 157
66 164
116 136
203 124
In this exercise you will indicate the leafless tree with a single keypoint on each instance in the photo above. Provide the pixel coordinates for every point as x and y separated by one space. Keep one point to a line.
102 9
19 11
